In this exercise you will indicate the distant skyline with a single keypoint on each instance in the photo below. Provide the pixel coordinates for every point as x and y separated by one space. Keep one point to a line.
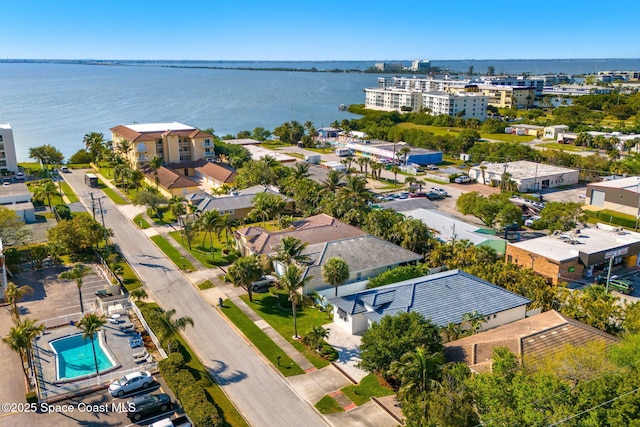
324 30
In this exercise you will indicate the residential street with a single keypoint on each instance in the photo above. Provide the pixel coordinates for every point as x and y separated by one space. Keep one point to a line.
261 395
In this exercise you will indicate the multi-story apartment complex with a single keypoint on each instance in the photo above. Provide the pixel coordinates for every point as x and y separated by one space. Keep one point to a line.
467 105
422 84
174 142
509 96
392 99
8 158
515 81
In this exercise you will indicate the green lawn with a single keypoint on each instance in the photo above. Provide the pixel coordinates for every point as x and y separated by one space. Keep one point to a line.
141 222
368 387
328 405
441 131
172 253
113 195
563 147
227 411
129 278
280 317
67 191
201 250
206 285
262 342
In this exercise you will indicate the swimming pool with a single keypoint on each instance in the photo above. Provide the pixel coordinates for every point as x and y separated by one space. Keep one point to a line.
74 357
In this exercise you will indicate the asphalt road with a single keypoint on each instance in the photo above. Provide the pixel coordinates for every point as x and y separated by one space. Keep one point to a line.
262 396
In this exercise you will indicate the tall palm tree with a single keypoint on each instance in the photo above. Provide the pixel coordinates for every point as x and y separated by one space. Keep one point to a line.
355 190
410 180
13 295
418 372
290 249
171 326
135 179
95 144
155 163
404 151
243 272
335 272
124 148
90 325
333 181
395 170
32 330
77 273
177 207
210 222
291 282
138 294
17 339
45 191
301 171
228 225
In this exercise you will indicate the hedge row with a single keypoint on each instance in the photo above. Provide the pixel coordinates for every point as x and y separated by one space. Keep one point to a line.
193 398
612 218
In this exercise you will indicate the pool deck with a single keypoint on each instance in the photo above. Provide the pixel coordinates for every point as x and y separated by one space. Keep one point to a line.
115 340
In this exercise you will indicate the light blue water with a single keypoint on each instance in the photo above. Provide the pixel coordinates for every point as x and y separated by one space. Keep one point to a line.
49 103
75 357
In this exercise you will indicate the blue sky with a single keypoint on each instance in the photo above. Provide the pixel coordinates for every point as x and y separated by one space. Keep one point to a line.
320 30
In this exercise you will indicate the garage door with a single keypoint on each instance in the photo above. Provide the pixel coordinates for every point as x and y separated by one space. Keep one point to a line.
597 198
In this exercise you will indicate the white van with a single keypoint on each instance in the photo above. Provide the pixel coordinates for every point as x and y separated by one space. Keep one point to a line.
344 152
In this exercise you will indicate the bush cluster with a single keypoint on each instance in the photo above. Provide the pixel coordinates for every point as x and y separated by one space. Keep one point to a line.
194 400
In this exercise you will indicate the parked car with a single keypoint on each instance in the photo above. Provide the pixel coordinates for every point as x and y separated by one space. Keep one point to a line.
462 179
64 169
432 195
150 404
432 167
20 176
440 191
263 283
130 383
417 194
182 421
529 222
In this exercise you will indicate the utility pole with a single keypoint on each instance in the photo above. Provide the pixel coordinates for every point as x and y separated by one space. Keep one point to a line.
104 228
93 206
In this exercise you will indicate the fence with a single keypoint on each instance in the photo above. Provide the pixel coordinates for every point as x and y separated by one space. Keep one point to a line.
64 320
344 289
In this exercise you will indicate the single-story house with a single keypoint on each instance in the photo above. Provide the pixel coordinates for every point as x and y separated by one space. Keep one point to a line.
552 132
448 228
314 229
170 182
442 297
533 337
238 205
528 176
18 198
367 256
205 171
577 255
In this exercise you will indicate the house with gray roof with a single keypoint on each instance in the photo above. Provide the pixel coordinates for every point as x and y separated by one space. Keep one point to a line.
367 256
239 204
443 297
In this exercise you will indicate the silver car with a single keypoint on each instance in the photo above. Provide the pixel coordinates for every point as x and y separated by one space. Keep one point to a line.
129 383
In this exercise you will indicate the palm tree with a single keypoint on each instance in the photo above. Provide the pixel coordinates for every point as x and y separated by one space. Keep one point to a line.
331 184
94 142
301 171
210 222
410 180
355 190
375 170
77 273
90 325
483 168
290 249
138 294
124 148
315 336
177 207
46 191
31 330
418 372
404 151
13 295
17 339
171 326
335 272
395 170
228 225
155 163
243 272
452 331
291 282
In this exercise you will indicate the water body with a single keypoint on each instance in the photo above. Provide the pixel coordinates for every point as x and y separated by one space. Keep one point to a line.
58 103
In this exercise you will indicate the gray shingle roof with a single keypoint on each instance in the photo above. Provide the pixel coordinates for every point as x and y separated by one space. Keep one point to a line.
443 297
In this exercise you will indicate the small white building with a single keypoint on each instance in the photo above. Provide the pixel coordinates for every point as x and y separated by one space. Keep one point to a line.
8 158
442 297
17 198
528 176
552 132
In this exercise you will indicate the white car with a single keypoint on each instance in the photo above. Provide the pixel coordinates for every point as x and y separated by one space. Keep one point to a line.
529 222
462 179
440 191
129 383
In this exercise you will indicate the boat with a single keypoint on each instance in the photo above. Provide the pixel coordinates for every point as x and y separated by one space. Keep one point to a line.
342 107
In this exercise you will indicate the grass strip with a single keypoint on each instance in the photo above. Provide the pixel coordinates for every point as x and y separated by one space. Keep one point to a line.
206 285
267 347
141 222
328 405
113 195
173 254
368 387
67 191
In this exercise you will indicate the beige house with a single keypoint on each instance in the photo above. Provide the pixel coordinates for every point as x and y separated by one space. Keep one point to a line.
174 142
170 182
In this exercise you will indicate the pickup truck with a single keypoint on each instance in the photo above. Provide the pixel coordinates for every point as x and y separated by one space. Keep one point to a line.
182 421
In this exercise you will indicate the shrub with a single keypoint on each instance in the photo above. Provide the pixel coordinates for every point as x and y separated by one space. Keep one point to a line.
398 274
328 352
32 397
173 363
63 211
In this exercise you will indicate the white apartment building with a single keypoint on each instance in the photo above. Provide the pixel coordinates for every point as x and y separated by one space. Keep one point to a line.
422 84
392 99
468 105
8 158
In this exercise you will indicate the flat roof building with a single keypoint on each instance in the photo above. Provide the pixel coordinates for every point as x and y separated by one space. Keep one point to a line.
528 176
384 150
619 195
579 255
